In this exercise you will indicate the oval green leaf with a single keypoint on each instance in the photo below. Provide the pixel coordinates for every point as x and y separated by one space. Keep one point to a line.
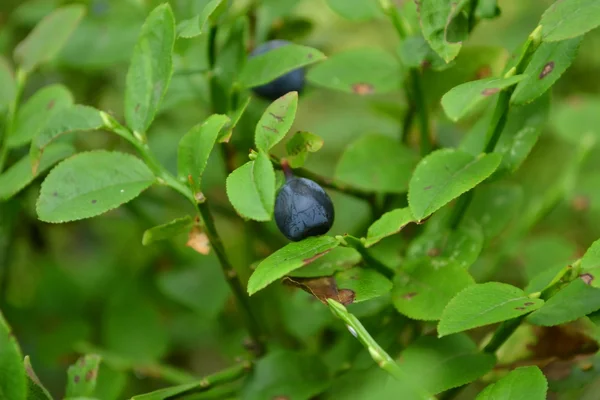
195 148
438 21
197 25
525 383
90 184
300 145
574 301
485 304
547 65
389 224
168 230
359 71
19 175
286 374
151 69
366 283
288 259
268 66
444 175
251 189
566 19
12 374
37 111
378 163
442 364
462 99
276 121
590 263
425 286
48 37
71 119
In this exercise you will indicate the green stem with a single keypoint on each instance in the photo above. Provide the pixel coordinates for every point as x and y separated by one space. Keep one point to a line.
21 79
422 111
328 182
499 119
502 333
232 277
218 379
203 210
400 25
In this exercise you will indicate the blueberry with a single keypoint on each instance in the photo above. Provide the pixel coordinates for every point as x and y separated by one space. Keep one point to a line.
293 81
303 209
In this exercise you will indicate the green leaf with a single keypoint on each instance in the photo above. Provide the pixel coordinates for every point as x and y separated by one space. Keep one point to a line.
574 301
199 287
276 121
289 258
35 389
366 283
425 286
547 65
389 224
573 120
72 119
370 384
200 23
7 83
525 383
462 99
441 27
444 175
13 384
359 71
151 69
357 10
300 145
37 111
90 184
338 259
195 148
442 364
378 163
82 376
251 189
132 327
462 245
168 230
415 52
569 18
287 374
485 304
494 206
19 175
48 37
590 263
266 67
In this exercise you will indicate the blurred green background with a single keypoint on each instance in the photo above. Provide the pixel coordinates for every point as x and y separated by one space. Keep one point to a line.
92 285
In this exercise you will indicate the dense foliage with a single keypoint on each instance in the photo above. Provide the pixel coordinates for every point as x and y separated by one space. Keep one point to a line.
294 200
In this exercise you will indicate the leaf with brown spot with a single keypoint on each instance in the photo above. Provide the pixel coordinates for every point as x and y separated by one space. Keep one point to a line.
461 100
322 288
86 367
359 71
547 65
289 258
276 121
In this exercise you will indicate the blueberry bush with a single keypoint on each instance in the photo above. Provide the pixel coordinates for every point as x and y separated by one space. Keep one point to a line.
299 199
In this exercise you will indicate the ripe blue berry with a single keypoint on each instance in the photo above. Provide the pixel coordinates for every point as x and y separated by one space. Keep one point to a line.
293 81
303 209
